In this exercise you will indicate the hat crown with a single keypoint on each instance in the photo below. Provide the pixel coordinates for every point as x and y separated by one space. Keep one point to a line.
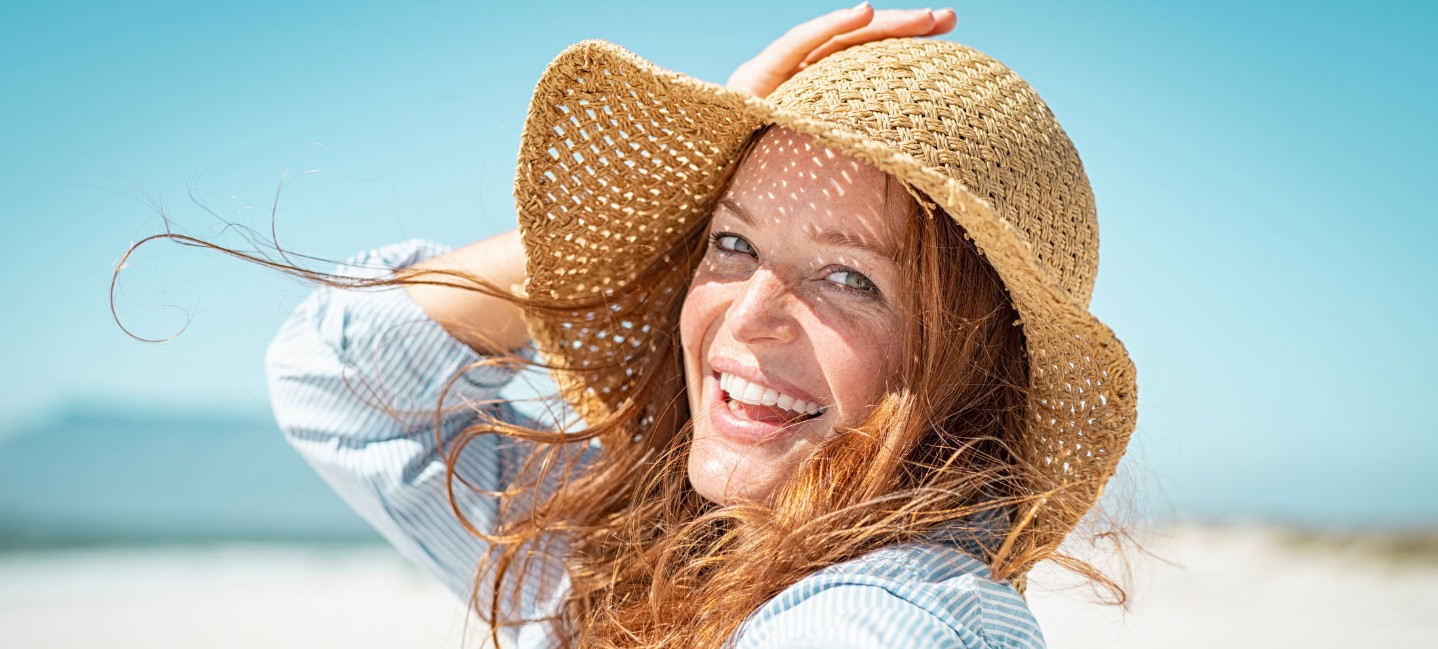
956 111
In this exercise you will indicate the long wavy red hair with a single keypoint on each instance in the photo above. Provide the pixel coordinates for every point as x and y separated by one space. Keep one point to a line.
652 563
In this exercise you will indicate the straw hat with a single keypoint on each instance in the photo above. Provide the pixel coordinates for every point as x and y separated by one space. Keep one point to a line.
619 157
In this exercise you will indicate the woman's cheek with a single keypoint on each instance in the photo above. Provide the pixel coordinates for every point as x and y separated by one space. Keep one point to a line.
697 317
869 367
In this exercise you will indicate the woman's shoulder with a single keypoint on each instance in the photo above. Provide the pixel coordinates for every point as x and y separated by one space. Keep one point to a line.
913 594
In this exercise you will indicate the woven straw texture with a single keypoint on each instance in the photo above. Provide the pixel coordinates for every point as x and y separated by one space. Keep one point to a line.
619 157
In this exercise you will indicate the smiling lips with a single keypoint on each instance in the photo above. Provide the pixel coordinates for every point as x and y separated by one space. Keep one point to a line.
759 403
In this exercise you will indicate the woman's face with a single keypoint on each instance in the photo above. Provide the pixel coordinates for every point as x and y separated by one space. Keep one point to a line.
792 324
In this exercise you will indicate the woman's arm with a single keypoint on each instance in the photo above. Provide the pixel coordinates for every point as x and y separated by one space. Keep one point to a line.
489 325
354 380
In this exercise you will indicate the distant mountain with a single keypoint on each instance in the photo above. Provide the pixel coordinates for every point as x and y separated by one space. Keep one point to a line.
111 474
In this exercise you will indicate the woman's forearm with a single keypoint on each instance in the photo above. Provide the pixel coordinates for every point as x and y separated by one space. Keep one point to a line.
489 325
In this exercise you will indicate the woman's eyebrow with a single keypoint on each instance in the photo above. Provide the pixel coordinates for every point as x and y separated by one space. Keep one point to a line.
738 210
846 240
828 237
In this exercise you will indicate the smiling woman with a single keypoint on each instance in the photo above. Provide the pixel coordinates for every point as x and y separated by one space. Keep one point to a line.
828 373
922 292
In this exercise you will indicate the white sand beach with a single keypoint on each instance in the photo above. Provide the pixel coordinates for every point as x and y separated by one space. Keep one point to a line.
1251 586
1233 586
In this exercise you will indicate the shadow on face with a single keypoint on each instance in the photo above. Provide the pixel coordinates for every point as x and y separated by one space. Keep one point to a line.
791 327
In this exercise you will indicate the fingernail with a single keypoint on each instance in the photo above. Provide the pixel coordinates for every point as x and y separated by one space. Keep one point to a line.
861 6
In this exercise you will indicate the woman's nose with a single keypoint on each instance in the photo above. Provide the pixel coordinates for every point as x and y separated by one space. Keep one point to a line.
763 310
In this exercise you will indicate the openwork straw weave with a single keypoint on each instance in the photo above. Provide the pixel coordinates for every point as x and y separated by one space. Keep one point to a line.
618 157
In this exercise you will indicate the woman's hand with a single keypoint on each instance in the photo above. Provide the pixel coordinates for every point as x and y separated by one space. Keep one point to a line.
829 33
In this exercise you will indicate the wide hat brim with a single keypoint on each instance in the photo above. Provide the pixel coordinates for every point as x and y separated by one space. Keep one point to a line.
619 157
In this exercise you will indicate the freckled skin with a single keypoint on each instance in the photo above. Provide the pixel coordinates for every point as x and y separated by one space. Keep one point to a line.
787 295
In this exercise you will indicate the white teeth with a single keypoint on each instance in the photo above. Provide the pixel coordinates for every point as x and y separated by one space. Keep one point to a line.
755 394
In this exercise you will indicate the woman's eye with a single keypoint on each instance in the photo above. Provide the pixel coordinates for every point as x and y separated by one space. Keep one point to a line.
732 243
853 281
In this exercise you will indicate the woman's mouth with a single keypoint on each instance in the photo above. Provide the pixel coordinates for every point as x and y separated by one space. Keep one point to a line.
756 398
752 412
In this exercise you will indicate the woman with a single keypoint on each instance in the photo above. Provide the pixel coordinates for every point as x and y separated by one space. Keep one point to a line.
828 374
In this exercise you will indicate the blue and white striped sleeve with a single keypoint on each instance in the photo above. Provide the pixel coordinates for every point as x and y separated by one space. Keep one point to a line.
854 616
904 596
339 361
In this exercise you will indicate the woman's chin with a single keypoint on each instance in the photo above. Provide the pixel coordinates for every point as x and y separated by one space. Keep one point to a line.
725 475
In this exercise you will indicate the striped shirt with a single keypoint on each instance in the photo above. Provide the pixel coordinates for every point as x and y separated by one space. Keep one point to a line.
343 352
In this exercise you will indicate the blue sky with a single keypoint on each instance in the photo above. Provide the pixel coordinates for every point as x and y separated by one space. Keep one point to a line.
1261 171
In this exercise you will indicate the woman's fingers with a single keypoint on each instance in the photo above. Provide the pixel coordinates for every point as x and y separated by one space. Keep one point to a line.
945 20
791 48
810 41
888 24
761 74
